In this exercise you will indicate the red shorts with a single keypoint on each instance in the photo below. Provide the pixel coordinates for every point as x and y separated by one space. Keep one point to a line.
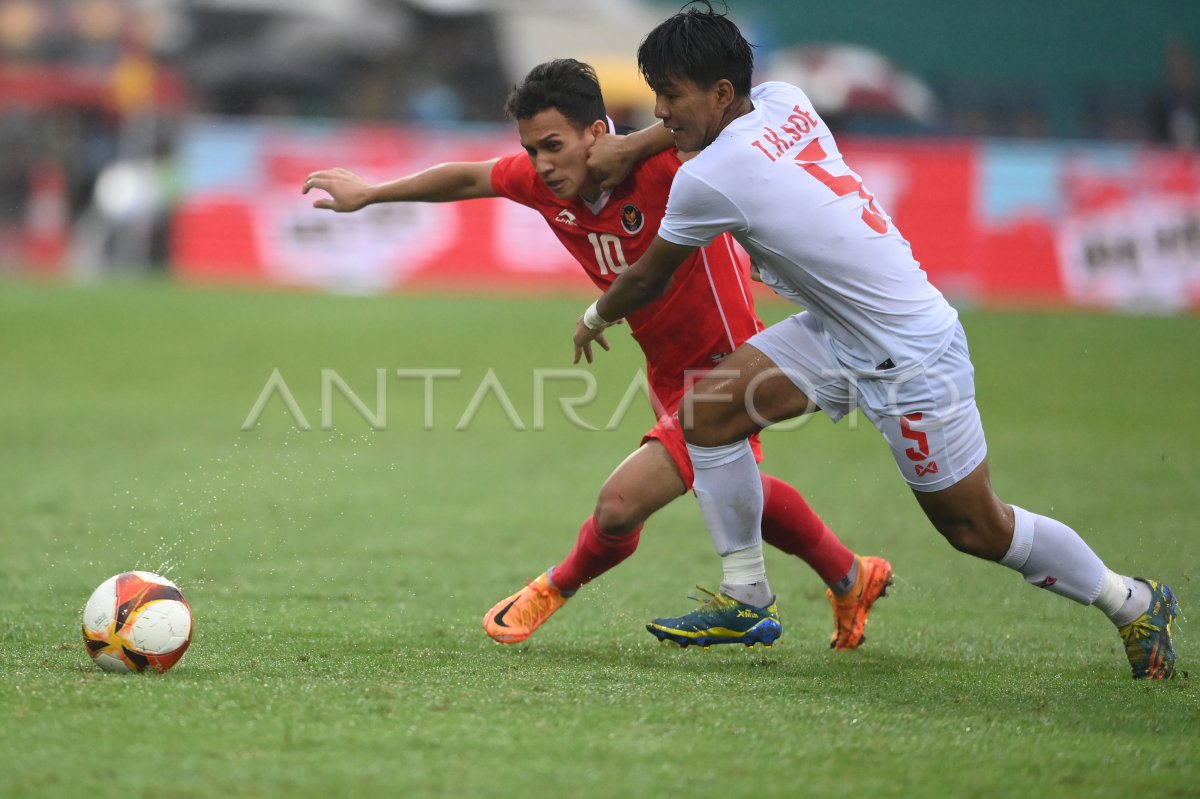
667 433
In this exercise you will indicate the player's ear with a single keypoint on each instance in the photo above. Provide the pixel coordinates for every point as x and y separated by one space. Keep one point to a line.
598 128
725 94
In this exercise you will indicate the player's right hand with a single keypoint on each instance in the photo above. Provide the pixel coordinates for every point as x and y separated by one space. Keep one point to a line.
347 191
609 160
584 336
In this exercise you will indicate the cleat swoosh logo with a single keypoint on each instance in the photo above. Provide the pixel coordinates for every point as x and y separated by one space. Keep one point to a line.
499 617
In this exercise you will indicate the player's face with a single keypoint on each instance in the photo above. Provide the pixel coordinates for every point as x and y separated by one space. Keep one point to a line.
693 113
559 152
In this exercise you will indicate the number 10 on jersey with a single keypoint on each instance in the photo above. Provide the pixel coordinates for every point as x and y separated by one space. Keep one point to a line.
609 256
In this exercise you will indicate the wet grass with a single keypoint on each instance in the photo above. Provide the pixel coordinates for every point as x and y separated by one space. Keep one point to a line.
338 575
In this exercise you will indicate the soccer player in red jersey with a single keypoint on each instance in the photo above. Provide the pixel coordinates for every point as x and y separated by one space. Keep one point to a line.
560 113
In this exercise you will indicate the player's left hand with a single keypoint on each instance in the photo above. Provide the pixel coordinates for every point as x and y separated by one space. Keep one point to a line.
584 336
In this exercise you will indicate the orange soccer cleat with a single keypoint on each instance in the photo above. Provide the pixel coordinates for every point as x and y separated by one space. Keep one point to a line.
851 610
512 620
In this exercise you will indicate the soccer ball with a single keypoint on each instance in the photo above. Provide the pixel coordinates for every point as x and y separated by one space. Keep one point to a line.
136 621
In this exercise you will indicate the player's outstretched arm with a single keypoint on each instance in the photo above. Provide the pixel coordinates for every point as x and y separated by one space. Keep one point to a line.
465 180
611 157
637 286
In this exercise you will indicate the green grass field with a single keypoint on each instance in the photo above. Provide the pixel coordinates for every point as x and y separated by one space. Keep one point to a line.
338 576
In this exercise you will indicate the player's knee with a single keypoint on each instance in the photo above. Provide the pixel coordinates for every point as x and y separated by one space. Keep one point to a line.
616 515
976 537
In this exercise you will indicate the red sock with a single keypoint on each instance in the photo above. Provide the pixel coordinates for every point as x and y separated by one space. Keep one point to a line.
594 553
791 525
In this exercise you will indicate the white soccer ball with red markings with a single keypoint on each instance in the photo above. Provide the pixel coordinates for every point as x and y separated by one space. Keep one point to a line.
136 621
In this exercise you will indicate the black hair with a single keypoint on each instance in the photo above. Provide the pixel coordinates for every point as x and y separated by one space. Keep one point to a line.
565 84
697 44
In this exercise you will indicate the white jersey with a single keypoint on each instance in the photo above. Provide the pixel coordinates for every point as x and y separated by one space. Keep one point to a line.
775 179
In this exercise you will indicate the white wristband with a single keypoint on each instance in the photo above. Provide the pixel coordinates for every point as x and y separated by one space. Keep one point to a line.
593 319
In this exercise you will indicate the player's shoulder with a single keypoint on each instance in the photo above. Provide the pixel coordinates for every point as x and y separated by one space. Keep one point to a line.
775 89
514 166
513 176
719 162
711 170
665 162
652 175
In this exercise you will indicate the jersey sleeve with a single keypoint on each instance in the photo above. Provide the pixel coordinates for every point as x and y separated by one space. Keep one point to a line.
697 213
513 178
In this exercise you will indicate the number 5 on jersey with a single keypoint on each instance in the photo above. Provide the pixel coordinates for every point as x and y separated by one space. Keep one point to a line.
841 185
609 255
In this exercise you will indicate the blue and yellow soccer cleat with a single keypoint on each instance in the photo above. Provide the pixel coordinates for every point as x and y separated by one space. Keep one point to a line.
1148 637
720 619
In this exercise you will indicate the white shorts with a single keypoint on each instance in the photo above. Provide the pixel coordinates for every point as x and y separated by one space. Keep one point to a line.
927 413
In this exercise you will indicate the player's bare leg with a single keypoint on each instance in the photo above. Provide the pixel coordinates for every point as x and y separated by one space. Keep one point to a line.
645 482
740 397
970 516
1051 555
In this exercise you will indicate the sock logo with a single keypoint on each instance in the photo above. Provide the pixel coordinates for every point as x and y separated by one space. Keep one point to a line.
1049 581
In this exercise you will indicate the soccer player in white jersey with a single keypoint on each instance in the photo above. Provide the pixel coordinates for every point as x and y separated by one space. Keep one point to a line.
876 334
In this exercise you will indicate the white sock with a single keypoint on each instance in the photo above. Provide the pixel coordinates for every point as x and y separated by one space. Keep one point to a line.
729 490
1123 598
746 577
1051 555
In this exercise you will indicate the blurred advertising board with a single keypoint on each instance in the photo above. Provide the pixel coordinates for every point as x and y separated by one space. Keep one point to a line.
1111 226
244 219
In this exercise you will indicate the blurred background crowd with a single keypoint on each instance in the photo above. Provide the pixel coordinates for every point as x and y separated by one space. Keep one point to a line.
128 127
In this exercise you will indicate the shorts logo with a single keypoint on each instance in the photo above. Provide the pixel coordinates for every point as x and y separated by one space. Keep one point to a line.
929 468
632 218
1049 581
567 218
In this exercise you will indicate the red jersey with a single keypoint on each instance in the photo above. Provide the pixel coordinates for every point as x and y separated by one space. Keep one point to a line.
705 313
